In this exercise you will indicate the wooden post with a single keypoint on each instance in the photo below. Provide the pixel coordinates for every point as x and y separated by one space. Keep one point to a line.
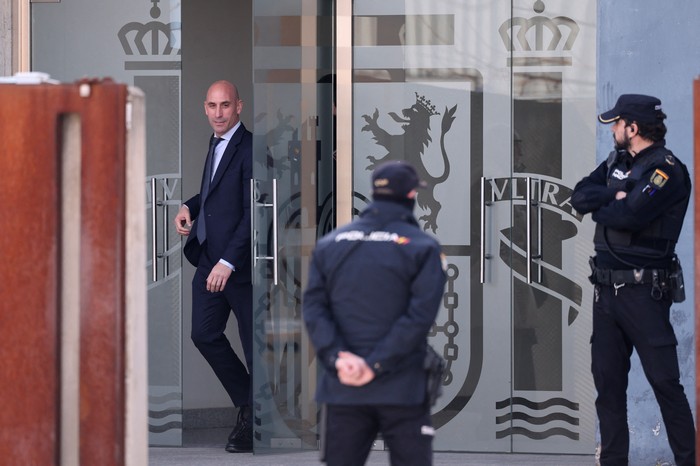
42 269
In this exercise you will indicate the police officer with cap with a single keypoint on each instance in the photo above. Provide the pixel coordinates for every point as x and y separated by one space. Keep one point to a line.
374 290
638 198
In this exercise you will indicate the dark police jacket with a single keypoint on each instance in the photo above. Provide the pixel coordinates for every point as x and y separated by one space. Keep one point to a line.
374 289
642 229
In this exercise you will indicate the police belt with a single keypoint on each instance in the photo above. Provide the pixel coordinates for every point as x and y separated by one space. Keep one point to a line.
630 277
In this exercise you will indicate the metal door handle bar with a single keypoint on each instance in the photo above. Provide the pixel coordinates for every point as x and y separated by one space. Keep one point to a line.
154 233
528 219
166 232
253 230
483 256
538 256
161 236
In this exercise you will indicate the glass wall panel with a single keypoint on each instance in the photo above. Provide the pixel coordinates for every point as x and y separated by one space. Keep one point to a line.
494 103
553 68
136 43
293 204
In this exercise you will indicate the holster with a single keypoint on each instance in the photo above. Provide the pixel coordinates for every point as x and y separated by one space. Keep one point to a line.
675 281
434 365
592 276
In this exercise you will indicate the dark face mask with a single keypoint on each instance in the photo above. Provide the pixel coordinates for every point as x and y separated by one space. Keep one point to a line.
404 201
410 203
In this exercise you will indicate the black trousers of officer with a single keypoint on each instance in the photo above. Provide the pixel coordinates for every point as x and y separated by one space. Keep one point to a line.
210 313
350 431
629 318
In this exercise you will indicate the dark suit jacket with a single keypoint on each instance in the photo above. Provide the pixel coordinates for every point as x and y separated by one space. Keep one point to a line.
227 210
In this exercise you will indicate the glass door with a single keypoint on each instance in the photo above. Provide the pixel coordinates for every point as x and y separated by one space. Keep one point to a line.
494 103
137 43
292 205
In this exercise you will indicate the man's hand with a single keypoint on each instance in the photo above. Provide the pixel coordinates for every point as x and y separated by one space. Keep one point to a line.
353 370
620 195
216 281
183 222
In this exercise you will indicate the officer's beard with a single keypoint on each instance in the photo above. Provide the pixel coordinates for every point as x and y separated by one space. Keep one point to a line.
622 145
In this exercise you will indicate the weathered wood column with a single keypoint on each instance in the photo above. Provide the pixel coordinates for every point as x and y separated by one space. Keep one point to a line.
73 307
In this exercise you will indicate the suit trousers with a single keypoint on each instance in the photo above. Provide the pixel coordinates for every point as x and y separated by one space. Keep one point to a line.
210 313
350 431
625 319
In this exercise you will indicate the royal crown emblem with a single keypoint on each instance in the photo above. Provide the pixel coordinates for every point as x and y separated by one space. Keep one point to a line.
152 38
532 37
426 104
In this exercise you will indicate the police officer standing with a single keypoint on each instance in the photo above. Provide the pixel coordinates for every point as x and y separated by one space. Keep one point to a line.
637 198
374 290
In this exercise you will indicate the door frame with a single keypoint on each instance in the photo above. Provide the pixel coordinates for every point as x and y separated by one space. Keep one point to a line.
344 67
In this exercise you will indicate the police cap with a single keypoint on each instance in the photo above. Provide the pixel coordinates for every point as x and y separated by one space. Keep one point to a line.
395 180
634 107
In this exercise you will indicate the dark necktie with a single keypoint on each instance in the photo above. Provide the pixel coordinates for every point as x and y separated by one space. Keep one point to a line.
208 167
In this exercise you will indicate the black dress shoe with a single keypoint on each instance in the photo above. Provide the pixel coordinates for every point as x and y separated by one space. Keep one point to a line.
240 440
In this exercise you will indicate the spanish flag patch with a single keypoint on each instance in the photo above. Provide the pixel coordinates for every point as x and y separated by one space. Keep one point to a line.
658 179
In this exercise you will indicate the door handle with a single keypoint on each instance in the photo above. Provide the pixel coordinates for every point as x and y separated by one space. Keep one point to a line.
165 255
483 255
528 215
253 239
154 232
253 230
161 236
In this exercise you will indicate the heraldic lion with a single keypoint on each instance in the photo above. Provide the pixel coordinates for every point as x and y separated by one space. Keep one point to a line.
410 146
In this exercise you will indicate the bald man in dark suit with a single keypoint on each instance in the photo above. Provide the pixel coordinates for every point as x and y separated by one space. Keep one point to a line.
218 244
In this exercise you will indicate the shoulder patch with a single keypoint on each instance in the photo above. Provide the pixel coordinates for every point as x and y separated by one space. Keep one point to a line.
658 179
670 160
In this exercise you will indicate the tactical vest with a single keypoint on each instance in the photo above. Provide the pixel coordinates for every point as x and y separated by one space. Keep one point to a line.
659 238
